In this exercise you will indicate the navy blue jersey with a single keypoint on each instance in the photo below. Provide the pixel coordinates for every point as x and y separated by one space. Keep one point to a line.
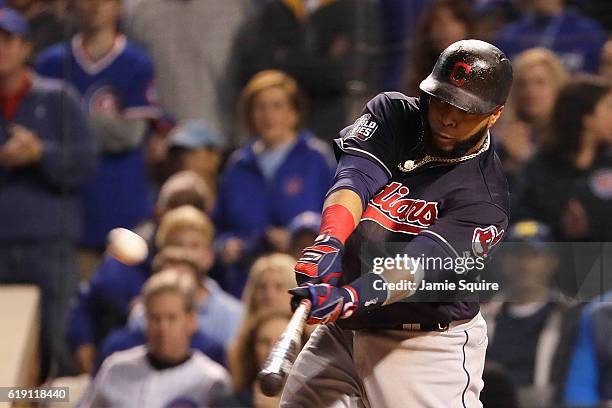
119 84
462 204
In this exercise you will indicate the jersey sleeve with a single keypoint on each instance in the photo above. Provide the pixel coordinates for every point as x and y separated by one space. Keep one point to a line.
471 229
140 99
372 136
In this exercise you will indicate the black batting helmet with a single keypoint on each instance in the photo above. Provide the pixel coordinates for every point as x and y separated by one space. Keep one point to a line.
471 75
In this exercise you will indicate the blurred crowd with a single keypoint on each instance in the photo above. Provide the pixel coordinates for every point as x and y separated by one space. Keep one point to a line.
205 127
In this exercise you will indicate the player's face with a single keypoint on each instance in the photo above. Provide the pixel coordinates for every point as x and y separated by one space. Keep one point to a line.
599 123
535 92
266 336
195 244
14 52
271 291
169 326
454 132
98 14
274 117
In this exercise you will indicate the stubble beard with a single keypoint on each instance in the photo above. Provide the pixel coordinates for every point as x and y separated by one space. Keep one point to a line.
460 149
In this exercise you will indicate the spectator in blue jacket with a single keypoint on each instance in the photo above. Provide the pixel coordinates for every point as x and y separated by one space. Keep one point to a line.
283 172
47 153
589 380
576 39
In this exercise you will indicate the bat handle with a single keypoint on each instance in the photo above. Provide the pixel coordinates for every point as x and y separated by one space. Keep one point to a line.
276 368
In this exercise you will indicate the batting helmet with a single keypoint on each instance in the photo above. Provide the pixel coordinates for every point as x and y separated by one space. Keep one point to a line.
471 75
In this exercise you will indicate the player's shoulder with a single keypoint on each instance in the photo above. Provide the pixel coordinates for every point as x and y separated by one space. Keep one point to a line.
492 180
393 103
480 180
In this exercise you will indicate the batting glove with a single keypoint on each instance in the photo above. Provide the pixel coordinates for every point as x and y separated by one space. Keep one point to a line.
328 302
321 262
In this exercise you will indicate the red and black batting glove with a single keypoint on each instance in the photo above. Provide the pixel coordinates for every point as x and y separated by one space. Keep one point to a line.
329 303
320 262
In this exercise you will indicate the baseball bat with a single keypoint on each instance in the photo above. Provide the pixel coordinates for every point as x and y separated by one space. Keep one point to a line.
274 373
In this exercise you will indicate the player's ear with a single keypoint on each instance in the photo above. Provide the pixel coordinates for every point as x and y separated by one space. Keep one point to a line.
494 116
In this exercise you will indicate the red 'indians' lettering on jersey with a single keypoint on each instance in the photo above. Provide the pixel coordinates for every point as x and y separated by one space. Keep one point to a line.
391 210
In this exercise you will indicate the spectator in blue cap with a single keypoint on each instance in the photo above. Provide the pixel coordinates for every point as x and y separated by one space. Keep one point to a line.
303 230
524 321
47 153
193 145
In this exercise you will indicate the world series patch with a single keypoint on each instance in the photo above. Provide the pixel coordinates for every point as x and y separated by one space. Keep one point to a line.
363 128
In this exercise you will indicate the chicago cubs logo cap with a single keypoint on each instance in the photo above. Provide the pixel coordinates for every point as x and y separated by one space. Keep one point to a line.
13 23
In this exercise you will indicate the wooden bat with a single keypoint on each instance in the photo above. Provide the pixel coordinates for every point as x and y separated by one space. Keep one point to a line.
274 373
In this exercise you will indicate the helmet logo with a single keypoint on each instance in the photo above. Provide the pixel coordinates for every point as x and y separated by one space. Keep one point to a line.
460 73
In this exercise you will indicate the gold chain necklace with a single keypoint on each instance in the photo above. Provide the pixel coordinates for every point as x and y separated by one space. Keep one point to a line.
410 165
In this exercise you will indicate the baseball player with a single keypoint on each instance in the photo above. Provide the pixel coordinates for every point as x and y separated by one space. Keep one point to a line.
420 173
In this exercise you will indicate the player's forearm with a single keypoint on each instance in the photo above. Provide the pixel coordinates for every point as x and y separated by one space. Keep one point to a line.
356 181
350 202
341 212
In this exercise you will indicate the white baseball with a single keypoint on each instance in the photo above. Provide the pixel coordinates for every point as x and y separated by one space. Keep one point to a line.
126 246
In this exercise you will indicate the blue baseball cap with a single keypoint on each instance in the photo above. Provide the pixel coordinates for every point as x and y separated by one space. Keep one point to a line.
307 221
13 23
194 134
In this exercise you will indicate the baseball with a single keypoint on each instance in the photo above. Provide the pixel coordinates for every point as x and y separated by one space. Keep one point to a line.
126 246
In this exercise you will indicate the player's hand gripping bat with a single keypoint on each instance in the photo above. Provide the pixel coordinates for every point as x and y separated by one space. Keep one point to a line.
274 373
